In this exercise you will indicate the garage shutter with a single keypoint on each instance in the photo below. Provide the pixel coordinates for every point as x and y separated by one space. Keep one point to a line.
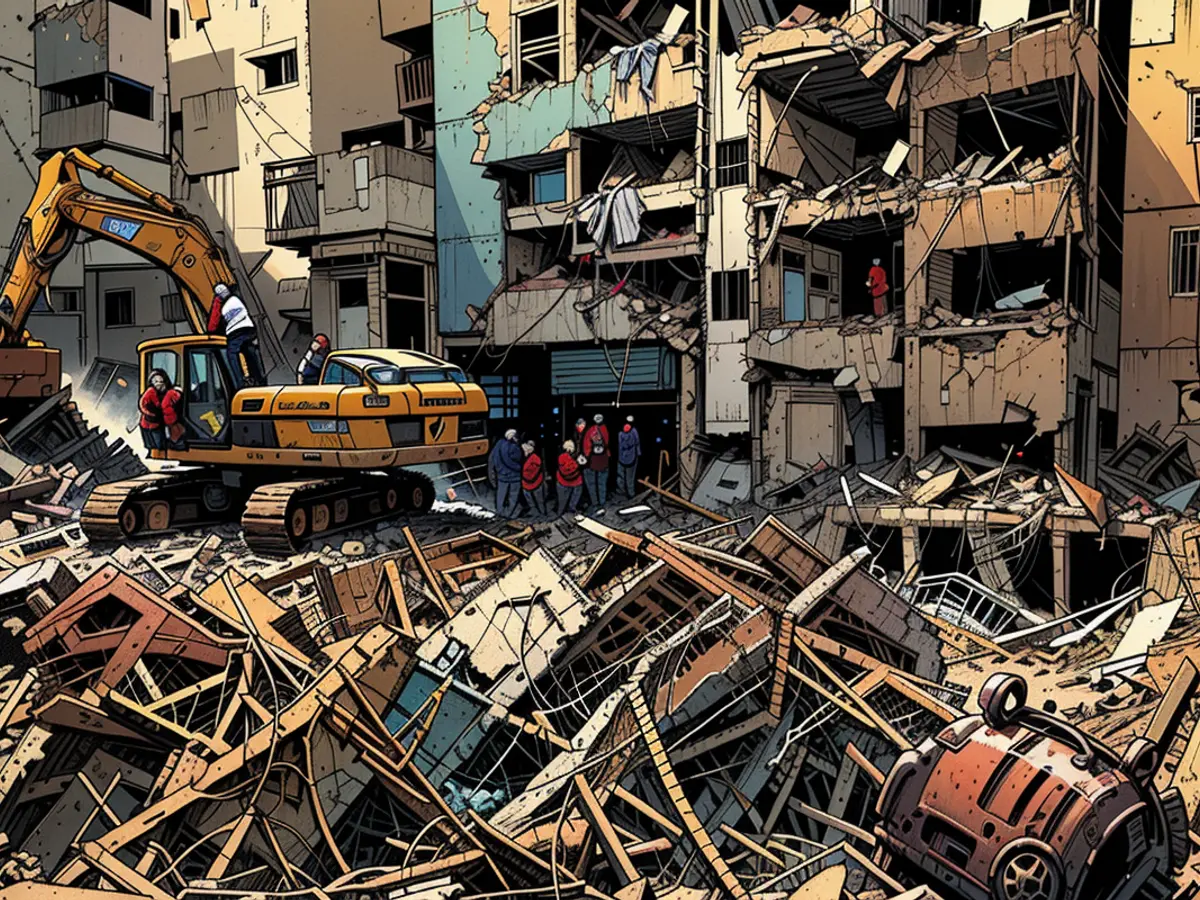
591 372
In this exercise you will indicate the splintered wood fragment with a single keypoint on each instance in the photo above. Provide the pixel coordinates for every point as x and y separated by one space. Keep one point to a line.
832 821
233 843
881 724
101 801
614 851
353 883
648 811
868 768
391 584
427 573
125 876
752 845
686 504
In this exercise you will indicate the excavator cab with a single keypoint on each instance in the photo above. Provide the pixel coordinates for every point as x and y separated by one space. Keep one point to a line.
199 369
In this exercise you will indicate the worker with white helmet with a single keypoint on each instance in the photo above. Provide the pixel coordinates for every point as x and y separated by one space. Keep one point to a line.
230 317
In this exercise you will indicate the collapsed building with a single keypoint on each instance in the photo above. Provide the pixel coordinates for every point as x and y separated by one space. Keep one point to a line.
967 162
662 703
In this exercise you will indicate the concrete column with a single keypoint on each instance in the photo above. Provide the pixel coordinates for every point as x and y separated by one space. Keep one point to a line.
1060 546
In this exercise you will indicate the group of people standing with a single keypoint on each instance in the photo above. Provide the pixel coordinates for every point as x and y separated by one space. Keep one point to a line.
517 470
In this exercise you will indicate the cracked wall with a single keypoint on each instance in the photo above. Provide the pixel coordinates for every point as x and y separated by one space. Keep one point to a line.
1158 357
476 123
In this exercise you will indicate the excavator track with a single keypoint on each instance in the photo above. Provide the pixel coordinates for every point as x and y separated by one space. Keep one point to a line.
281 518
157 502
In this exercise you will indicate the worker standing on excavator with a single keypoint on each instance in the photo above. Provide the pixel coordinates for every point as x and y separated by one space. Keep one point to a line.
229 315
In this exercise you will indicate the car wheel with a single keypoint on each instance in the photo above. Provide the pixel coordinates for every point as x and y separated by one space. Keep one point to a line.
1028 874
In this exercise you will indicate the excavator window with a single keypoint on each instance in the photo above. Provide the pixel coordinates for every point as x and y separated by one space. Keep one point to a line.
206 398
168 361
336 373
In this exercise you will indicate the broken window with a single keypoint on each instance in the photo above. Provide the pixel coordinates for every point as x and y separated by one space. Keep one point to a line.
1006 277
538 52
732 167
795 287
960 12
276 69
1034 118
550 186
502 394
393 134
65 299
1185 261
118 308
121 94
731 295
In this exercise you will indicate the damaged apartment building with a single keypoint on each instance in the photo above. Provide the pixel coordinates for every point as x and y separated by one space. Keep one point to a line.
585 185
358 200
933 261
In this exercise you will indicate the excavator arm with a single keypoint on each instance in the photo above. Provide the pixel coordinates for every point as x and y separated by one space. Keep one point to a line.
156 229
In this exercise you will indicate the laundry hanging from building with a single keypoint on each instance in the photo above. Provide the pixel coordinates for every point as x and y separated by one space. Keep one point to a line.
642 58
617 213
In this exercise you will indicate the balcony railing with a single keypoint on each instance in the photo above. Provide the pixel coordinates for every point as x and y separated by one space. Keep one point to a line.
292 213
414 82
376 188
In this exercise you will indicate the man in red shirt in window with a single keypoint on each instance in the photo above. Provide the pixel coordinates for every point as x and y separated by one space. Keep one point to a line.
160 408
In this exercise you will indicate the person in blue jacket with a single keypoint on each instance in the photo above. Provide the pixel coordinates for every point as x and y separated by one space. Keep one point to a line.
506 462
629 451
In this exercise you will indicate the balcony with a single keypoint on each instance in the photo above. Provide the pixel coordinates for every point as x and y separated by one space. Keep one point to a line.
94 124
291 190
414 84
376 189
403 22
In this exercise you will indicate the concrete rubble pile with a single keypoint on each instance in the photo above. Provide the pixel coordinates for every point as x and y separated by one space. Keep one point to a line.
665 703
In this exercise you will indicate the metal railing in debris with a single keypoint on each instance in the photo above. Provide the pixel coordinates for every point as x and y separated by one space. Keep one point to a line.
961 600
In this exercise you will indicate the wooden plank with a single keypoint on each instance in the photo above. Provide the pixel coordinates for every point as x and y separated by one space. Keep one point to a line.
390 581
648 811
869 768
427 573
884 726
614 851
686 504
125 876
824 818
752 845
233 843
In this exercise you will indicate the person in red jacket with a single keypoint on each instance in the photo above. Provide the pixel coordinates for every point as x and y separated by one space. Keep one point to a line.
160 409
877 286
533 479
598 451
569 478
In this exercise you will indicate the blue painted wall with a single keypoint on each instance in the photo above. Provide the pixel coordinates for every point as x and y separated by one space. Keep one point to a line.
470 229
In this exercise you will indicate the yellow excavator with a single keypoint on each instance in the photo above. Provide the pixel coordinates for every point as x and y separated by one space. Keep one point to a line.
292 461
